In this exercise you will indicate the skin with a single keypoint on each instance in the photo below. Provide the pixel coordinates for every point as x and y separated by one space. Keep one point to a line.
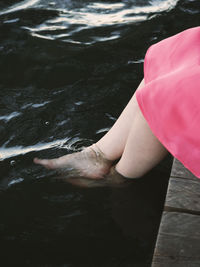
130 141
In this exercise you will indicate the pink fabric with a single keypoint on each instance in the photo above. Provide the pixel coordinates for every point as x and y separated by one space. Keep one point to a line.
170 99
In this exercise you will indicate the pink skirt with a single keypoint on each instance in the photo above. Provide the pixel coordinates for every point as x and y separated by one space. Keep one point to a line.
170 99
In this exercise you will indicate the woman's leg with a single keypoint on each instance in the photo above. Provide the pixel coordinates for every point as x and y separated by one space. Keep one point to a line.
130 138
113 142
142 151
96 161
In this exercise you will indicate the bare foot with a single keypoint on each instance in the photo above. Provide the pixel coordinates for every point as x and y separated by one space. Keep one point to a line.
89 163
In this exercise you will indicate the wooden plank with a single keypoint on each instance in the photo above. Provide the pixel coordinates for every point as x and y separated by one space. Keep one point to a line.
178 170
178 243
183 195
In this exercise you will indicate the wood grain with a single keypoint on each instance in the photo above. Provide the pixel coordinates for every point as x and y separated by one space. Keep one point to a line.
178 240
178 170
184 195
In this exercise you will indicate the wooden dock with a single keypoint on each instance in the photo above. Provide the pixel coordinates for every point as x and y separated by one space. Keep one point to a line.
178 241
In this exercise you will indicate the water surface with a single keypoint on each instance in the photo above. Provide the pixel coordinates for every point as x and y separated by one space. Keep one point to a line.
67 69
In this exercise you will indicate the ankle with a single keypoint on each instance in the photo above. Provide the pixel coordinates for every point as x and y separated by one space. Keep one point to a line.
121 172
104 152
115 179
99 153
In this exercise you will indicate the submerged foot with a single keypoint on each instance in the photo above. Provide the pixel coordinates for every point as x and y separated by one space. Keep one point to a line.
112 179
89 163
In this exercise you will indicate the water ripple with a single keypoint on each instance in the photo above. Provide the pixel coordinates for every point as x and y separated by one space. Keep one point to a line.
66 143
34 105
73 25
15 181
10 116
76 25
19 6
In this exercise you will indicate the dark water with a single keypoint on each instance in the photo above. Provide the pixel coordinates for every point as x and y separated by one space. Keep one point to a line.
67 69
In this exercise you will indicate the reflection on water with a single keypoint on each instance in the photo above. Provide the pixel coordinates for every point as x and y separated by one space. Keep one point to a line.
15 181
19 6
20 150
67 70
73 24
9 116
